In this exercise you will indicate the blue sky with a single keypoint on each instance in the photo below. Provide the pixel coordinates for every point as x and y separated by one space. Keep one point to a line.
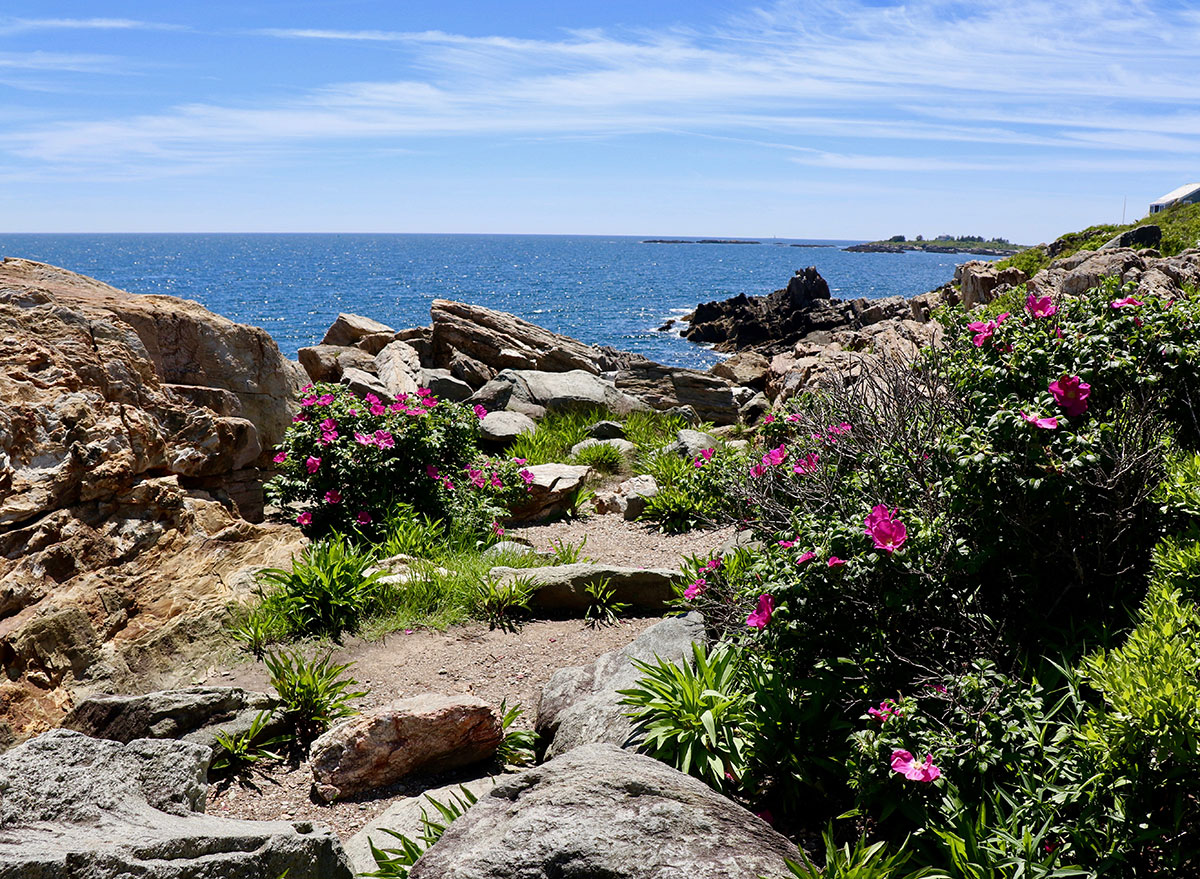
827 120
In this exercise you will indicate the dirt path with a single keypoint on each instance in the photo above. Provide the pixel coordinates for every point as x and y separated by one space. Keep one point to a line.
494 665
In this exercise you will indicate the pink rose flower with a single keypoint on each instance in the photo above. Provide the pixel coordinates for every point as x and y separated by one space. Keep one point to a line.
982 331
808 464
904 764
431 471
805 557
1044 423
304 518
1072 393
887 709
1040 306
333 496
888 533
298 419
497 530
1127 302
384 440
364 439
712 565
312 465
527 476
769 419
757 471
280 457
378 409
696 587
787 544
775 457
480 412
761 615
835 562
363 518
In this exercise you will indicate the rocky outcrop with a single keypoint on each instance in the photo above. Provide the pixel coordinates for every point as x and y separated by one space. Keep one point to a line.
327 363
503 341
980 282
426 733
603 812
93 809
398 366
581 706
1149 235
535 393
350 329
193 714
747 368
671 387
130 427
564 587
629 498
501 428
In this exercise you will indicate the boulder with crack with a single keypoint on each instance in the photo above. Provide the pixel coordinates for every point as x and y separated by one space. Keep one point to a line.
95 809
601 811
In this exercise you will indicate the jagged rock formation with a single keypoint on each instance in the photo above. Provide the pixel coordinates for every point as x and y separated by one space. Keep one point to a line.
131 430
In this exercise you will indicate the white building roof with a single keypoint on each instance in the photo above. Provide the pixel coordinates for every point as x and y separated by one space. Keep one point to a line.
1176 194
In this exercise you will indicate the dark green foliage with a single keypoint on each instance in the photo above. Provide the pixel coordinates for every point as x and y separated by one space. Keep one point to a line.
312 692
600 457
517 748
238 753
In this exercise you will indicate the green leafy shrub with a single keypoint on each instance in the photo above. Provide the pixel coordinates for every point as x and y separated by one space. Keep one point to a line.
312 692
862 861
691 493
601 457
603 609
328 590
517 747
566 552
394 863
499 600
237 753
694 714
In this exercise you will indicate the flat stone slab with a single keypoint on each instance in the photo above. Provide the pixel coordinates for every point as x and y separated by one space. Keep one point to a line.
564 587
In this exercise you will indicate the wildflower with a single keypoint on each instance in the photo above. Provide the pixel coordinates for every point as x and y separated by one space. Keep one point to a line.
378 409
982 331
1001 318
308 401
757 471
364 439
807 464
325 400
520 462
328 424
1044 423
1072 393
398 407
431 471
707 454
774 457
384 440
497 482
304 518
1127 302
280 457
843 427
497 530
312 465
298 419
769 419
328 437
480 412
1040 306
712 565
887 709
363 518
333 496
696 587
939 688
793 418
882 527
787 544
527 475
761 615
805 557
697 463
835 562
476 477
903 763
448 485
423 392
306 388
428 402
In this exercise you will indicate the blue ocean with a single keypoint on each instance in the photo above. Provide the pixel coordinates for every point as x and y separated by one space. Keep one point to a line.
611 290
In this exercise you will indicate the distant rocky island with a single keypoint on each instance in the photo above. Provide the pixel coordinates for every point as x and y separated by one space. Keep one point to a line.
942 244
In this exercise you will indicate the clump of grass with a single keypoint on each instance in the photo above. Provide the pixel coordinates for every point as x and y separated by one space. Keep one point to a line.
567 553
556 434
601 457
313 693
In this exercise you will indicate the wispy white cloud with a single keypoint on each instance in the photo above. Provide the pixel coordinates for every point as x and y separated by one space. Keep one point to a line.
26 25
59 61
1105 77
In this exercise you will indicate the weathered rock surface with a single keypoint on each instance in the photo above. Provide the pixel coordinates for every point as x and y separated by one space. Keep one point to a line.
503 341
350 328
564 587
399 368
501 428
444 385
581 706
363 383
550 491
1149 235
603 812
979 281
669 387
747 368
629 498
404 817
535 393
119 534
193 714
690 443
426 733
326 363
607 430
94 809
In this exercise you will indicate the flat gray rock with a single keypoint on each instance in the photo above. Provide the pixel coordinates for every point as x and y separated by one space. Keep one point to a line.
564 587
603 813
581 705
73 806
501 428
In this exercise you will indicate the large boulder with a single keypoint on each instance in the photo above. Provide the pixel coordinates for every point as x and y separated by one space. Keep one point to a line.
747 368
193 714
501 428
84 808
426 733
535 393
980 281
603 812
550 491
669 387
349 329
399 368
503 341
581 706
1149 235
327 363
124 495
564 587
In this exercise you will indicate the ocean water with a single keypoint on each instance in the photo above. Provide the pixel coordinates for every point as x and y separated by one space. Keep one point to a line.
611 290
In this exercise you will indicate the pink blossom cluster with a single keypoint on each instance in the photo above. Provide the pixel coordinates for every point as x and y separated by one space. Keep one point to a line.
985 330
888 532
704 457
905 764
1040 306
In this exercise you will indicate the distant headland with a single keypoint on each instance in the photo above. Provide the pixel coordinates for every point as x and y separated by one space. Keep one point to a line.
940 244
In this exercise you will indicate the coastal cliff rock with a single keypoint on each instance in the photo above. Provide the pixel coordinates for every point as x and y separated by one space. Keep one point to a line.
130 428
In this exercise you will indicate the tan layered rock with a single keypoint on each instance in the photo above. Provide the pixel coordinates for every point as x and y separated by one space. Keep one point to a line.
427 733
129 427
349 329
668 387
